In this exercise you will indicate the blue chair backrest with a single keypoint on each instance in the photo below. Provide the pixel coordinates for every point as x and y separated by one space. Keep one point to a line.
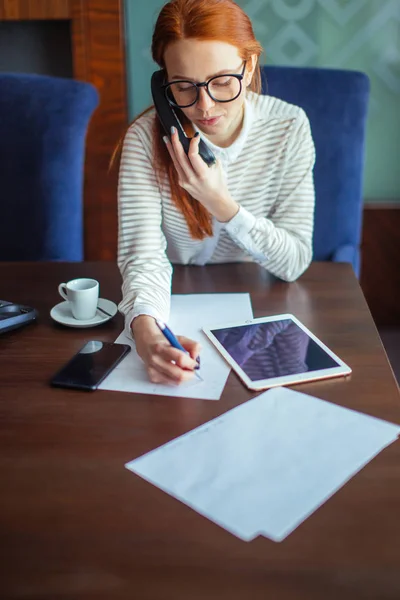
43 124
336 103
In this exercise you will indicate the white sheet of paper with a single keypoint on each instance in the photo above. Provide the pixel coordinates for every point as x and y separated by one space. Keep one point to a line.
189 313
268 464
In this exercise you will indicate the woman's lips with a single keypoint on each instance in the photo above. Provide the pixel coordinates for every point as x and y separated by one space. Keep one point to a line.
208 122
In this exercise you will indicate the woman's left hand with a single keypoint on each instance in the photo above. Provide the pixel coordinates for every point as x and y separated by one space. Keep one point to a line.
206 184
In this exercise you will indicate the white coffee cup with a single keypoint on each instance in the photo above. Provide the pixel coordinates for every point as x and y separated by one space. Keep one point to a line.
83 296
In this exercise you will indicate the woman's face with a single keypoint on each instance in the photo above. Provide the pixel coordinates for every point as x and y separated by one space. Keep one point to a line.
198 61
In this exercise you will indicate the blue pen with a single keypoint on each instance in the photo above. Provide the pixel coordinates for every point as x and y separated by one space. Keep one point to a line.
165 330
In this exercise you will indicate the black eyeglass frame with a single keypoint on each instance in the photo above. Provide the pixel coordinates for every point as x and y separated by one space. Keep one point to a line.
205 84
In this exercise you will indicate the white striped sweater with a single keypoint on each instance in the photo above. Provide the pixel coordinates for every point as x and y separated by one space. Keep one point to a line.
269 174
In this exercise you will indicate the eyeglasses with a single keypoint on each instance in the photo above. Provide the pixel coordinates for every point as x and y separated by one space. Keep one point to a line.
220 88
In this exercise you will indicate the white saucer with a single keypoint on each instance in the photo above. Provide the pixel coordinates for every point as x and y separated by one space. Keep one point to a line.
62 314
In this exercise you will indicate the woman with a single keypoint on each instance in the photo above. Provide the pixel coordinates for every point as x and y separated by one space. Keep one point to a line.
255 204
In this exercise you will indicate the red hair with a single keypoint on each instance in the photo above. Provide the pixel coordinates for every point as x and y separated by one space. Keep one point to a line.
211 20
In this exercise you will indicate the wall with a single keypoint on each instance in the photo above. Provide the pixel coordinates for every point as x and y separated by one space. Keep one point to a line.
351 34
41 47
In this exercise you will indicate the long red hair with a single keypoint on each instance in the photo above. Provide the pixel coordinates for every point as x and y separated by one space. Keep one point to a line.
217 20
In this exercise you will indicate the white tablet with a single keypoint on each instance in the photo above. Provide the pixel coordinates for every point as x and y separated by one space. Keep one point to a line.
272 351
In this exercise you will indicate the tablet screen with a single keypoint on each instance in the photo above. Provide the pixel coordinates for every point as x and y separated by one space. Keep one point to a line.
273 349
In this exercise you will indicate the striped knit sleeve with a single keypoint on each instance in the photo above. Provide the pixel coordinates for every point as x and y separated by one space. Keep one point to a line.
282 243
145 269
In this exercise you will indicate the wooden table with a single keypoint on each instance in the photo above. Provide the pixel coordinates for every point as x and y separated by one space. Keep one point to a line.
76 525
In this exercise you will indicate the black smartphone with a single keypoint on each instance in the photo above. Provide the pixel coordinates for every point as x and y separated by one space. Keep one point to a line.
87 369
169 118
15 315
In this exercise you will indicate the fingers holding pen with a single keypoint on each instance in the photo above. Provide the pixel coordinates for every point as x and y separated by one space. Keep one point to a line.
193 347
167 353
170 364
168 359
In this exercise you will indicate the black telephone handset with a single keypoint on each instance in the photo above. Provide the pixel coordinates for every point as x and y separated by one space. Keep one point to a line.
168 118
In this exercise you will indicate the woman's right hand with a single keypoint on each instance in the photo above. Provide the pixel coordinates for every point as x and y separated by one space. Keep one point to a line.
164 363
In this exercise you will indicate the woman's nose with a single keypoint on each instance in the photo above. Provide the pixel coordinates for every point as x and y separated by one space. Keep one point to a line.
204 102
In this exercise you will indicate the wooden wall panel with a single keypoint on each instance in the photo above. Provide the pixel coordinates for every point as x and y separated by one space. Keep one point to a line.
97 32
380 266
14 10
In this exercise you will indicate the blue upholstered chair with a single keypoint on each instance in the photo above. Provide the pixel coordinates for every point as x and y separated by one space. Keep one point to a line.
43 124
336 103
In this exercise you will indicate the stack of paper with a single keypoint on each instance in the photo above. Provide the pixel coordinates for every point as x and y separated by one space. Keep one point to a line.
265 466
189 314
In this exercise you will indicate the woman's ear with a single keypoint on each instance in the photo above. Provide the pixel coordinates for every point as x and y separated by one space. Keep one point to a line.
250 68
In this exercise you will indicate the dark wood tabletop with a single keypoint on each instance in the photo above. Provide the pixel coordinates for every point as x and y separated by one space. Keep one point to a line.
75 524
